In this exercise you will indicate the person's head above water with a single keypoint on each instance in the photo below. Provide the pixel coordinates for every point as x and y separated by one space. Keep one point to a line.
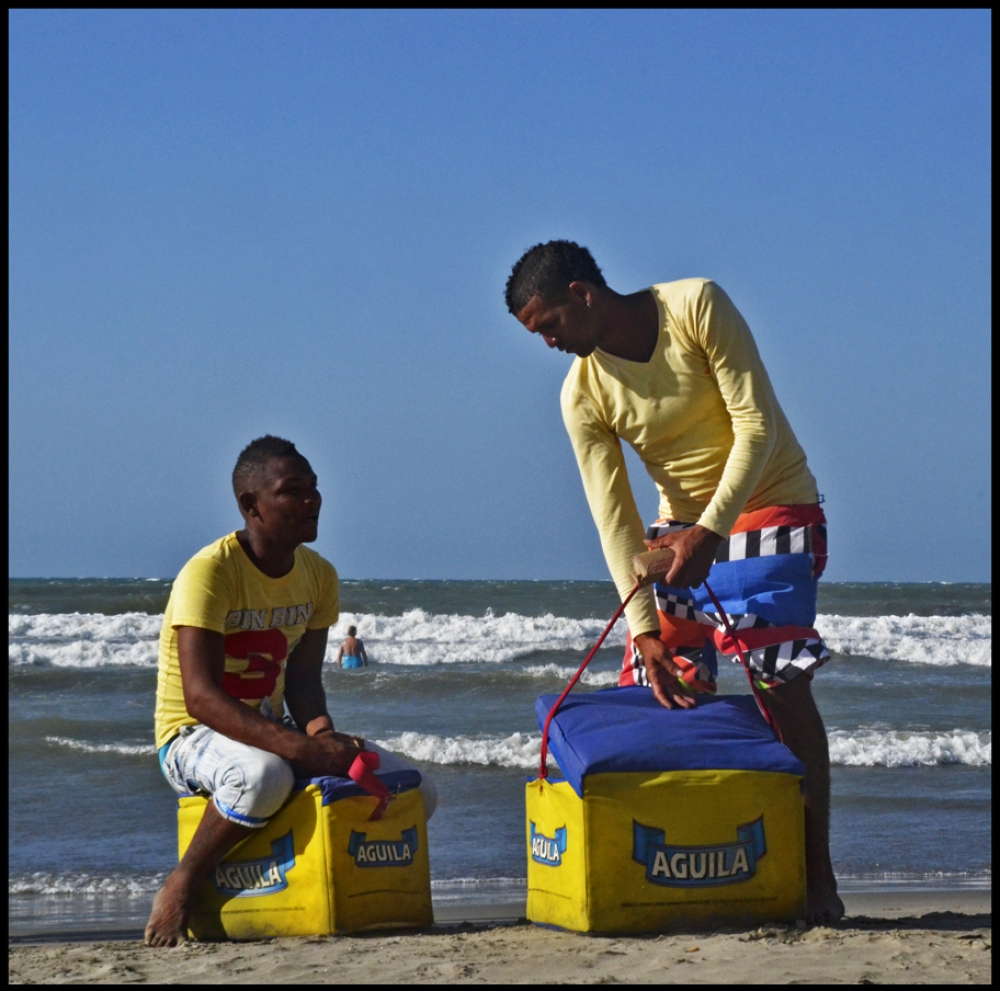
352 631
275 488
555 290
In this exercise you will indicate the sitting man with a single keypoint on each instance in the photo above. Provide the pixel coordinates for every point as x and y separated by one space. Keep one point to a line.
244 634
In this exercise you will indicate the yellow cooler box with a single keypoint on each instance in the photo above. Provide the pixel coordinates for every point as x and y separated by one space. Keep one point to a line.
665 818
319 866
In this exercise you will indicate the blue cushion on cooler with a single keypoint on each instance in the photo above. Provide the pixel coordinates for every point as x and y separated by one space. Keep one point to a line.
334 789
626 729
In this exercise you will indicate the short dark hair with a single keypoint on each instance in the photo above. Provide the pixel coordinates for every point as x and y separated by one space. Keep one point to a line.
351 630
546 270
251 465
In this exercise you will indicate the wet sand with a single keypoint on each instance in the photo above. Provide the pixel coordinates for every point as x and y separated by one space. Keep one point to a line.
888 937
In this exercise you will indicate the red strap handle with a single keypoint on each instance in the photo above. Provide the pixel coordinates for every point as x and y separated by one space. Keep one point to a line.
542 771
362 773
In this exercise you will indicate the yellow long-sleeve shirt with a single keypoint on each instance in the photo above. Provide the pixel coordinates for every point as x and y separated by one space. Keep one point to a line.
702 416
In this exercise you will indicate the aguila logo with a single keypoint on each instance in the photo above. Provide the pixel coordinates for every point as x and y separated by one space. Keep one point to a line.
265 876
698 866
548 850
383 853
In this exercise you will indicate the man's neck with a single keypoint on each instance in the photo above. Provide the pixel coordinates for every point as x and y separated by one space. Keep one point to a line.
275 560
633 323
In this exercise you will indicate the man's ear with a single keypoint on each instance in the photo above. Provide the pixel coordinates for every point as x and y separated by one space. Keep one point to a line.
248 504
582 292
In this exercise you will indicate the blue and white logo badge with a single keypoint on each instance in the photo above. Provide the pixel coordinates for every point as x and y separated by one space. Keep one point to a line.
698 866
383 853
548 850
266 876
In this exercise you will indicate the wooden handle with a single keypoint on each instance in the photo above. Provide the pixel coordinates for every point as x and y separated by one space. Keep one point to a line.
652 566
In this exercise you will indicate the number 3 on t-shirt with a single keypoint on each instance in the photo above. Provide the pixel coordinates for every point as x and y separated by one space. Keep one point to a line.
265 650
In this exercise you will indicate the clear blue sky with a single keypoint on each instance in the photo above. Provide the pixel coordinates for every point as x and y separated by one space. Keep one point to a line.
227 223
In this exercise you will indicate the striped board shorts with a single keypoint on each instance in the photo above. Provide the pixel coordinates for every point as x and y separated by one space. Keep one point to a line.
765 576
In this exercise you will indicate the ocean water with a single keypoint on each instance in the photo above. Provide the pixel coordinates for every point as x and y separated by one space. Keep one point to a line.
456 668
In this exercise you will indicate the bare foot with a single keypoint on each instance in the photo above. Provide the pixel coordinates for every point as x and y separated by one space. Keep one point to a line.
167 924
823 906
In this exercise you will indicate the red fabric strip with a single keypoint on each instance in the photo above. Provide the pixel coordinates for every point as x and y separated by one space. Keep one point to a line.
767 637
804 515
362 773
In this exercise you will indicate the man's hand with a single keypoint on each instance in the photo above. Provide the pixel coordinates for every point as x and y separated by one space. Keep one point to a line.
324 724
327 752
694 553
662 672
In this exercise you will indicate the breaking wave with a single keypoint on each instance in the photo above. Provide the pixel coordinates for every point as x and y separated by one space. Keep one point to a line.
858 748
127 749
563 673
849 748
899 748
516 750
421 639
938 640
84 884
83 640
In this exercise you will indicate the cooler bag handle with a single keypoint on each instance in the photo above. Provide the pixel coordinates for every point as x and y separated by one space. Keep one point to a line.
647 568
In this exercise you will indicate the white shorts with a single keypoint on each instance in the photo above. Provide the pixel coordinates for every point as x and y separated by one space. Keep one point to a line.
247 785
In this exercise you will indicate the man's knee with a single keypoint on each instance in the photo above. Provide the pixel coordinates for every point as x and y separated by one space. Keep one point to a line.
790 695
429 790
253 790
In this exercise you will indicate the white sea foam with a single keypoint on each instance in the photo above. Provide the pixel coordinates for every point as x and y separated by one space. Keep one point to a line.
516 750
478 882
938 640
857 748
83 640
562 673
40 883
481 890
138 885
898 748
128 749
84 626
419 638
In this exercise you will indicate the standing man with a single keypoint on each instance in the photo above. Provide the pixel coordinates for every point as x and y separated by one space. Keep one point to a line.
674 371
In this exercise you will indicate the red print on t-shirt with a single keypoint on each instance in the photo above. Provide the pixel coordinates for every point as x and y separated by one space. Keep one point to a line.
265 650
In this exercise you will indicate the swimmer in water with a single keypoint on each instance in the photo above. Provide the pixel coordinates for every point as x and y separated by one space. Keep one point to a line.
352 651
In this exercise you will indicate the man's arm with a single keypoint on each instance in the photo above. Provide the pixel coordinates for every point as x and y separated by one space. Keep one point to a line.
364 656
202 655
340 657
736 366
605 482
304 693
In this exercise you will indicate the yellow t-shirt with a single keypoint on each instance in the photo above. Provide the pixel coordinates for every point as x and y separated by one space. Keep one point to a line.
703 417
263 619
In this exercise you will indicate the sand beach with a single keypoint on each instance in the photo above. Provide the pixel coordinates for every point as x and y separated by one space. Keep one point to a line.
935 937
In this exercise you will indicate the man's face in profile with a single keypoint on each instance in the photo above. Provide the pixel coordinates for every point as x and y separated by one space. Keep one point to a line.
568 325
288 501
